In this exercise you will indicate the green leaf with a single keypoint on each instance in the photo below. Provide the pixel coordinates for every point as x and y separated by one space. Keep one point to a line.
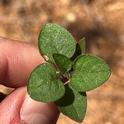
73 104
82 44
55 39
80 49
43 84
89 73
63 62
77 52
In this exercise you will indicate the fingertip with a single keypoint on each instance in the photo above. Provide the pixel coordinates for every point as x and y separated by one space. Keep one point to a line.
38 112
17 60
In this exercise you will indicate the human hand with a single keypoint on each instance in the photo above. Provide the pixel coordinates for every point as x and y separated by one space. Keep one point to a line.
17 60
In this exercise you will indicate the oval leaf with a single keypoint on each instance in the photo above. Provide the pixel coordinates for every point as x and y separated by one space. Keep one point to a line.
89 73
55 39
77 52
43 84
63 63
80 49
73 104
82 44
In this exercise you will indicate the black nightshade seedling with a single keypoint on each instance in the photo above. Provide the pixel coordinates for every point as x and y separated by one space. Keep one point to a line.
67 74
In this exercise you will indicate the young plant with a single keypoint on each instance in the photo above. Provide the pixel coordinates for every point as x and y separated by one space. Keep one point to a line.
67 74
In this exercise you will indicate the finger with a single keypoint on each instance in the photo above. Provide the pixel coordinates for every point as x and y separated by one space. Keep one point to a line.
17 60
10 106
18 107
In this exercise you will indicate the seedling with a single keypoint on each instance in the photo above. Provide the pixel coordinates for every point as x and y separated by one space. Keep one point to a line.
67 74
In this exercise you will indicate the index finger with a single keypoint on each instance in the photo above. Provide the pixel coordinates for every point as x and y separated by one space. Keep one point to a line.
17 60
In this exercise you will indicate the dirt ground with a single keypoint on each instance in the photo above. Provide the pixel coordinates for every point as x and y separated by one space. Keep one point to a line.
101 22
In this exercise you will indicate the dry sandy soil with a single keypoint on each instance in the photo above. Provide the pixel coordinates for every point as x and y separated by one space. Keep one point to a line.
101 22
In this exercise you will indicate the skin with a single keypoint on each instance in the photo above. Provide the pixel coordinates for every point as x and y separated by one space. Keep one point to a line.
17 60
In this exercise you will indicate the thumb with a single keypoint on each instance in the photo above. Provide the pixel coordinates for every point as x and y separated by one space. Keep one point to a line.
18 107
34 112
